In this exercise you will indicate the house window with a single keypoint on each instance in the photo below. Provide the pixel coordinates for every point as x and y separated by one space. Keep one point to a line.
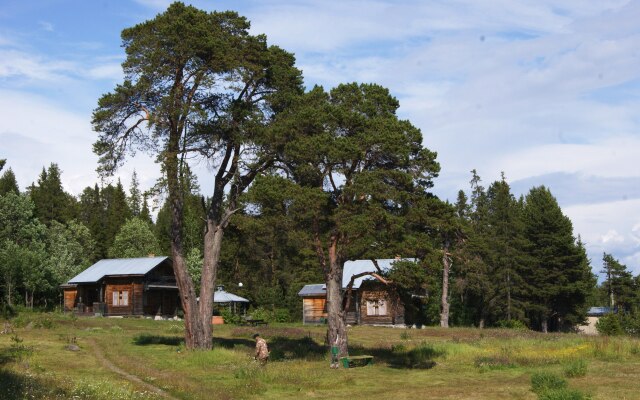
121 298
376 307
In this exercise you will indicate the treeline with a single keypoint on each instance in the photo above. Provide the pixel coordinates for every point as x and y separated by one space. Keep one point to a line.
47 236
512 261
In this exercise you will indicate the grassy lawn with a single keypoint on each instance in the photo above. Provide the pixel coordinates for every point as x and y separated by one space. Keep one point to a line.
431 363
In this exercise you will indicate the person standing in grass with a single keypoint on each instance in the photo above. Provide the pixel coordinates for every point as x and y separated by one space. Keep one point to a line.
262 352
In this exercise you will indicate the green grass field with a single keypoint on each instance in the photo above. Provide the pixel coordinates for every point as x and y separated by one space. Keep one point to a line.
432 363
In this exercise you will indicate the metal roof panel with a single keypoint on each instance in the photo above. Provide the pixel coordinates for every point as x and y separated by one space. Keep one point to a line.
220 296
117 266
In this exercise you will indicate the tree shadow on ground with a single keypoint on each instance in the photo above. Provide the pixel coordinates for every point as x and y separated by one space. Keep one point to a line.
147 339
232 343
420 357
15 386
283 348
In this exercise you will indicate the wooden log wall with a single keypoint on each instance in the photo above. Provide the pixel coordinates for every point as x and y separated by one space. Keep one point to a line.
314 310
70 296
135 292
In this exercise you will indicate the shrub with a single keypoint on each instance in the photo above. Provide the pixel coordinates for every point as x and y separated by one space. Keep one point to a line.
562 394
8 311
275 315
546 381
281 315
609 324
229 317
576 369
512 324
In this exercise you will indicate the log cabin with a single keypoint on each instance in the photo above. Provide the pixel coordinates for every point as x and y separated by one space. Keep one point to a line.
124 287
372 302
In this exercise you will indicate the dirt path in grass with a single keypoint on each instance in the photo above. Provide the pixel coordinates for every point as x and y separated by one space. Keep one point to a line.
132 378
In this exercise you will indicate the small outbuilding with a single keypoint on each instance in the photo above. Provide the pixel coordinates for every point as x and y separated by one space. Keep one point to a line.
222 298
593 316
372 302
124 286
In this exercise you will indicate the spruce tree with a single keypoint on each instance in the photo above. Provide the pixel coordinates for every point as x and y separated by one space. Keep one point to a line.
619 284
135 196
507 256
559 279
116 209
93 215
51 202
8 183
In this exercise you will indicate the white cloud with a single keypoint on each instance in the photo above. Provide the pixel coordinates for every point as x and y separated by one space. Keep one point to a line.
21 65
612 236
46 26
610 227
36 132
614 157
112 71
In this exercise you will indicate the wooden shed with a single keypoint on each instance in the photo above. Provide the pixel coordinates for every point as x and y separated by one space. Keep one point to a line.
125 286
314 304
372 302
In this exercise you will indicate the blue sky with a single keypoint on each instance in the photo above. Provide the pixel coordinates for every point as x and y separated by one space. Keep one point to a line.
546 91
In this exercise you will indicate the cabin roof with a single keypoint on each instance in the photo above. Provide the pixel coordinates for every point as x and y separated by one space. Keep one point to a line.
220 296
598 311
117 266
317 289
352 268
359 266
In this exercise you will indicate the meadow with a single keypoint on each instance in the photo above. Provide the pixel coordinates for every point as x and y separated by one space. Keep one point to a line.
49 356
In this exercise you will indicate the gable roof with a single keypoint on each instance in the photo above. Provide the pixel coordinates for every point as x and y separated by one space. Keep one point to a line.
352 268
318 289
220 296
355 267
117 266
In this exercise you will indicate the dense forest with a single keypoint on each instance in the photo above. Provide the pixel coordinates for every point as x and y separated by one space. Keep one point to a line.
304 180
513 261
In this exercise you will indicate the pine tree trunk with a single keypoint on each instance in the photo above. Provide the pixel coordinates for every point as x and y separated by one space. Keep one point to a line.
196 336
337 328
212 247
444 315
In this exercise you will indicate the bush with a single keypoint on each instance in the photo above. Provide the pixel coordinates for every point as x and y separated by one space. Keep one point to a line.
512 324
576 369
562 394
281 315
229 316
9 311
275 315
609 324
545 381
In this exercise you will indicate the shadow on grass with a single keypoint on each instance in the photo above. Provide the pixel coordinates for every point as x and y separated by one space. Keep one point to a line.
15 386
280 348
146 339
420 357
232 343
283 348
